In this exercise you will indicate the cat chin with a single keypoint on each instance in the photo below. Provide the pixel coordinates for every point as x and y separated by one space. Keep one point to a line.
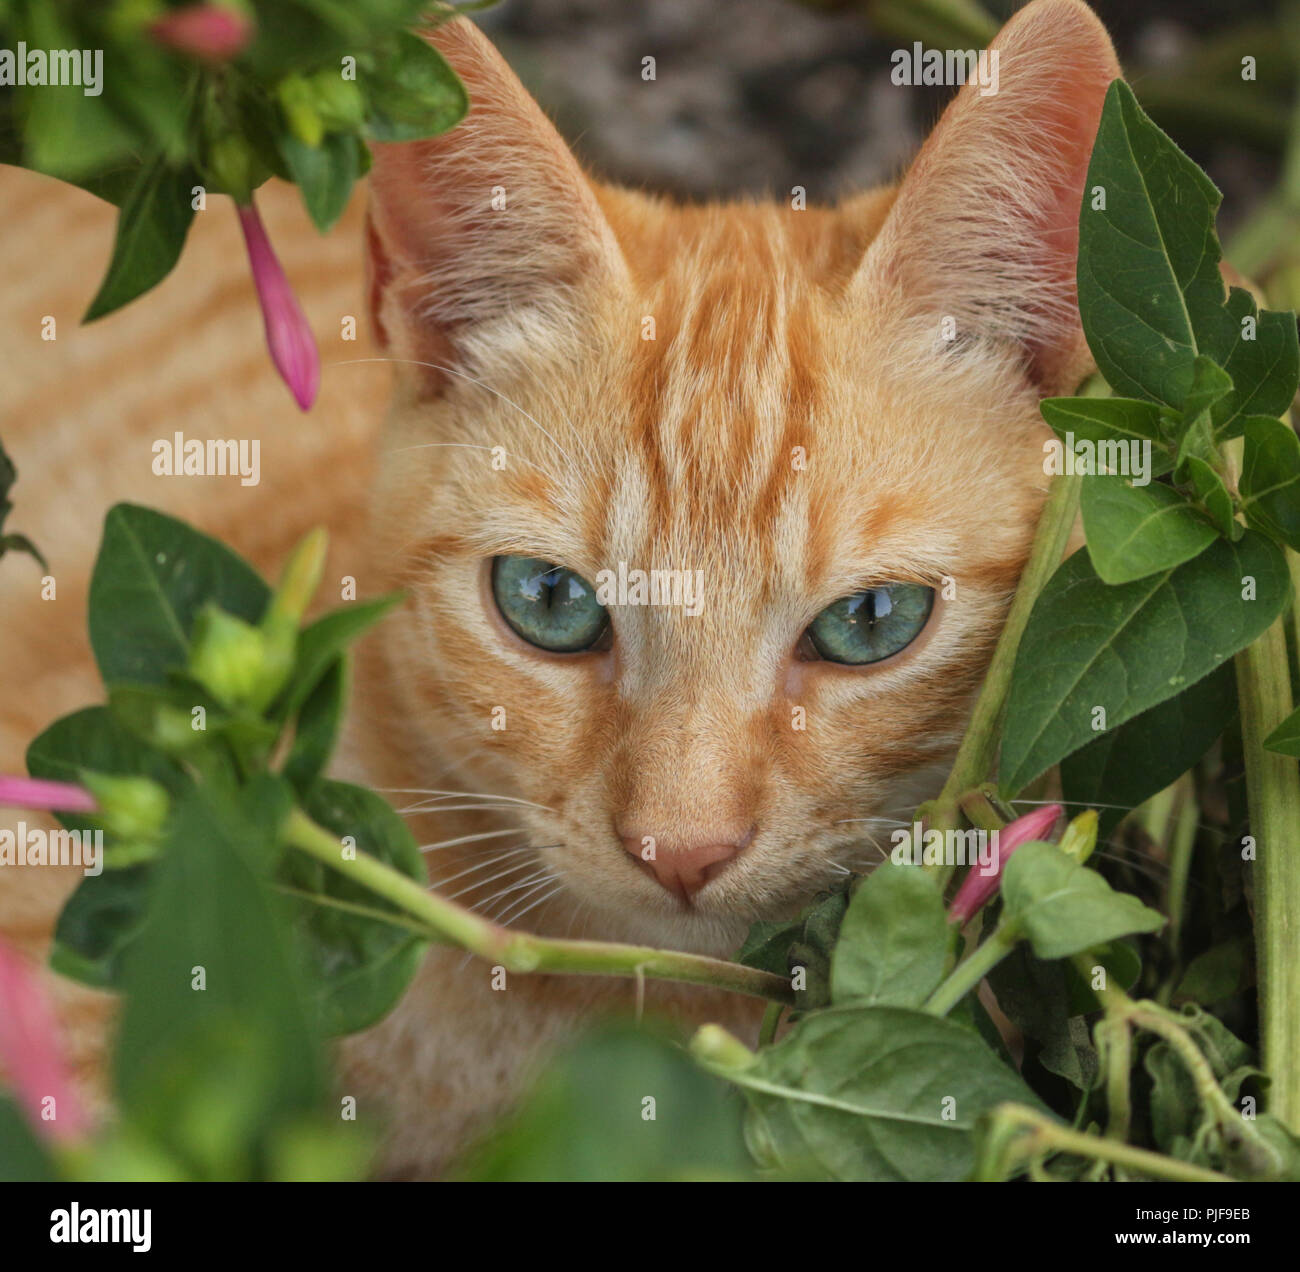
691 931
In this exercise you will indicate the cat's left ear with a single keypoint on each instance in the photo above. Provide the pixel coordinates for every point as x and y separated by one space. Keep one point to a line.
490 232
984 230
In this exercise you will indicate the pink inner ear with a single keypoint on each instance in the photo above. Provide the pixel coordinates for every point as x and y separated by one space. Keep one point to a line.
492 218
985 227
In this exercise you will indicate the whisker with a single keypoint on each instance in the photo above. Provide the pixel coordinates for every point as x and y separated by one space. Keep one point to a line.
493 859
483 883
468 839
420 790
505 921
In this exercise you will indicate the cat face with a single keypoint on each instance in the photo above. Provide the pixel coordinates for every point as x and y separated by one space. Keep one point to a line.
763 406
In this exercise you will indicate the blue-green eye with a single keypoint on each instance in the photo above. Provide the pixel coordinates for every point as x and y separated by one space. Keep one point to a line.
549 606
871 624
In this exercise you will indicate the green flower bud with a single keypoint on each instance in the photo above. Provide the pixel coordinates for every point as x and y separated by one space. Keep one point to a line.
713 1046
227 656
1080 836
233 167
133 808
298 102
284 615
339 102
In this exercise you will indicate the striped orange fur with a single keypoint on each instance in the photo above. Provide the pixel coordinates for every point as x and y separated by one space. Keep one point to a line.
796 429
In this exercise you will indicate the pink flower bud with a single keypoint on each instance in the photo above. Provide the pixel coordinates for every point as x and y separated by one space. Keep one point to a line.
209 32
32 792
31 1056
977 887
289 338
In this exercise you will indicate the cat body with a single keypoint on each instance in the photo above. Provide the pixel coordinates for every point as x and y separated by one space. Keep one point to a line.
790 405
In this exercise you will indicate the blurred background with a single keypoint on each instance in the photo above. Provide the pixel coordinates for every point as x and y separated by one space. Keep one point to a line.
752 96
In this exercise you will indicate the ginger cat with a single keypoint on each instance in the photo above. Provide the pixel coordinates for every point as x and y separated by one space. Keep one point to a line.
826 419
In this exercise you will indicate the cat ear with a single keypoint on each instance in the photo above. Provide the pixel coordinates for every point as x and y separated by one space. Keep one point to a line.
985 226
490 224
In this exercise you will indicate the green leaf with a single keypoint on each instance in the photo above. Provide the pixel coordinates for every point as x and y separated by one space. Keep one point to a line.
602 1086
8 542
1259 350
1210 385
413 93
67 133
1104 422
1127 765
97 925
1064 908
1148 261
151 229
324 174
1214 974
1136 531
321 642
317 727
1270 479
1125 649
152 577
23 1159
807 942
360 965
893 941
209 1072
1034 996
1285 739
874 1093
1214 496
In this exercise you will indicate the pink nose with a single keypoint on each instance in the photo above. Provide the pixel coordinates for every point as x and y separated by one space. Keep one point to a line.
683 871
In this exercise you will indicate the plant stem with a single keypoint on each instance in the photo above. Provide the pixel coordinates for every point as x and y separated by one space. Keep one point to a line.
1116 1043
1273 798
1042 1135
980 743
521 952
967 975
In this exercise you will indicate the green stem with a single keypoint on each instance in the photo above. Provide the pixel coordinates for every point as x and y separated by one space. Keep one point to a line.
520 952
979 745
967 975
1273 798
1116 1042
1182 841
771 1021
1039 1135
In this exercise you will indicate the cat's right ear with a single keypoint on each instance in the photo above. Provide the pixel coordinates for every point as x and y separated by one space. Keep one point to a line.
982 238
489 233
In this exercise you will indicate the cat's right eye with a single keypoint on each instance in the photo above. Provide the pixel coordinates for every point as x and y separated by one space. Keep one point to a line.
548 605
868 626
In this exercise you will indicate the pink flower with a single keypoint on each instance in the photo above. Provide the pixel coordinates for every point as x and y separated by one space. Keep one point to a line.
289 338
32 792
977 887
209 32
31 1056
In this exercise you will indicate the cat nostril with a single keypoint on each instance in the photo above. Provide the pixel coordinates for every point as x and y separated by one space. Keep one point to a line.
683 871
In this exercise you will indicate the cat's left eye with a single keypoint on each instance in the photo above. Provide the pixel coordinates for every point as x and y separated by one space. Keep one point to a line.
870 625
548 605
